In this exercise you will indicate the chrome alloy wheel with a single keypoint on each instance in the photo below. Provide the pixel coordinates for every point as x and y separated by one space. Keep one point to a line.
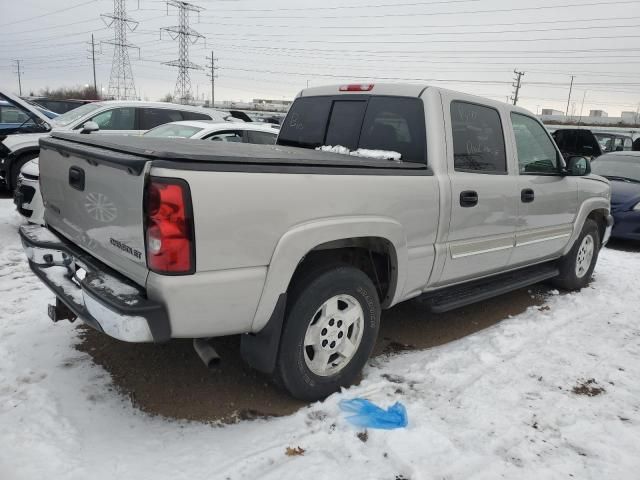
585 255
333 335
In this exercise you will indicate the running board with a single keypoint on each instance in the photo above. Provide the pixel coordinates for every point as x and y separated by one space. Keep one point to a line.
461 295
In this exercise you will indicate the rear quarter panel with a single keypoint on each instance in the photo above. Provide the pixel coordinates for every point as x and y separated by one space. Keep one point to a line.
242 218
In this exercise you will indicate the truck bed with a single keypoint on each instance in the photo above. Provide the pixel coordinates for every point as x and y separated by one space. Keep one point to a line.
200 152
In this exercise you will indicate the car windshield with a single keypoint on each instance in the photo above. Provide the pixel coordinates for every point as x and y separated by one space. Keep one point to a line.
173 131
617 167
75 114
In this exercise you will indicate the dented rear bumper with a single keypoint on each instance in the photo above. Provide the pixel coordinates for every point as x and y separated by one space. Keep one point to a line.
88 289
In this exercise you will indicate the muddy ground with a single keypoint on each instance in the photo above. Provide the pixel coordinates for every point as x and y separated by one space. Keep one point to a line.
170 380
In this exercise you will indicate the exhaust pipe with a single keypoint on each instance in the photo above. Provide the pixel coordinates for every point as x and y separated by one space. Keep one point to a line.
206 352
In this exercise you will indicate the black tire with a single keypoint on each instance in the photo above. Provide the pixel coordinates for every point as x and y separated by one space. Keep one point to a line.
15 169
309 293
568 278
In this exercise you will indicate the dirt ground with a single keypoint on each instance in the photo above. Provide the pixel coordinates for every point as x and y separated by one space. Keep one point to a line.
171 381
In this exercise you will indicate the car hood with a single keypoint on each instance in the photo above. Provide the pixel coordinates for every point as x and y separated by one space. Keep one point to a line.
22 105
624 194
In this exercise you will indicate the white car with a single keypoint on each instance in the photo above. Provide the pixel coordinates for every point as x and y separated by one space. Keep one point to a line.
259 133
104 117
27 195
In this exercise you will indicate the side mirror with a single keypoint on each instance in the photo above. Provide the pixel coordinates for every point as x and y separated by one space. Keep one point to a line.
619 148
578 166
90 127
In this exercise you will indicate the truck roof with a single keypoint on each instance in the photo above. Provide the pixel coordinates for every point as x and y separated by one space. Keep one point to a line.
398 90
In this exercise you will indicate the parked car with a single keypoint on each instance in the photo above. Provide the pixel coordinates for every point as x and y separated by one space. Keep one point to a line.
577 142
443 195
613 141
109 117
27 195
217 131
14 120
11 117
623 171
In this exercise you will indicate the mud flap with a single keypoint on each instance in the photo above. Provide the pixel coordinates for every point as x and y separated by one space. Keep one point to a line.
260 350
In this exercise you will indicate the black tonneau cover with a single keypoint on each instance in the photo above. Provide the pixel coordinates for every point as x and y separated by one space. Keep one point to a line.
125 151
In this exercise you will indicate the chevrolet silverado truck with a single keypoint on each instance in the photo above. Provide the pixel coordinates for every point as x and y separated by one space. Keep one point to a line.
299 250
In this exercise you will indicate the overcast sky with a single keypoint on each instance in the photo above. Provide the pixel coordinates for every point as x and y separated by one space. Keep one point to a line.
273 48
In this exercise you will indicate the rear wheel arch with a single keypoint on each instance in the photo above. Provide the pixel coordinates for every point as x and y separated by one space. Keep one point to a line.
334 234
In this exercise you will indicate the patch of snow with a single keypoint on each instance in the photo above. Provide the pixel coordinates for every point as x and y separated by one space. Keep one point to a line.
362 152
500 403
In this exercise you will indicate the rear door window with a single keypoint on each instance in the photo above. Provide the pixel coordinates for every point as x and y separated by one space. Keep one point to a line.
345 123
261 138
396 124
194 116
235 136
152 117
478 138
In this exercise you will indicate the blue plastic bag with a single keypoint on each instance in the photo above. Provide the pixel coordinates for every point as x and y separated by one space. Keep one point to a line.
368 415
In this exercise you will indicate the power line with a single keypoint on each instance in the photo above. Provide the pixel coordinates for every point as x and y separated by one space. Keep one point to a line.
429 34
433 14
47 14
473 40
387 27
121 84
185 36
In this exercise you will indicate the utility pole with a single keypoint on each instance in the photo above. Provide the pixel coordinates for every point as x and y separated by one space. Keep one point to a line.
584 95
121 85
569 100
185 36
212 67
19 72
93 61
517 86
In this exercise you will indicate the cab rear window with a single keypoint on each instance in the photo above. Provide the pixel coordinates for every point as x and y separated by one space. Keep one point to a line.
362 121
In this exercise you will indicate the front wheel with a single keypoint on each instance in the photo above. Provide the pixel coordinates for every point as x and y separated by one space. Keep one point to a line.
330 330
577 266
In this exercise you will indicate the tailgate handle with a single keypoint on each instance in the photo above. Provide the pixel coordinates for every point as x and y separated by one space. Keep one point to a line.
76 178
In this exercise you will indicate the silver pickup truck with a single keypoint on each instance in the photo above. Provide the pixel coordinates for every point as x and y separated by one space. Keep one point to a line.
298 250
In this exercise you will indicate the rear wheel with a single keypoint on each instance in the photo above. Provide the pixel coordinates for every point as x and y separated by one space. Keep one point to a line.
577 266
330 329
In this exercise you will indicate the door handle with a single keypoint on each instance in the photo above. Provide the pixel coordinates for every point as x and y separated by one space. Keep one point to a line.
468 198
76 178
527 195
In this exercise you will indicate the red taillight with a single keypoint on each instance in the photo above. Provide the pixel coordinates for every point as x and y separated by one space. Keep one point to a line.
357 87
169 227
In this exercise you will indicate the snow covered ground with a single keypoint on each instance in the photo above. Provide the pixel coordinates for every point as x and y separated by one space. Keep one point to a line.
499 403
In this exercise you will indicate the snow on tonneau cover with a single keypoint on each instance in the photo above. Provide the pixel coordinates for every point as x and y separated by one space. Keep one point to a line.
94 197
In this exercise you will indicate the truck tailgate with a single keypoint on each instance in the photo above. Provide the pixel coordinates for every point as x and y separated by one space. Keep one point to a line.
94 197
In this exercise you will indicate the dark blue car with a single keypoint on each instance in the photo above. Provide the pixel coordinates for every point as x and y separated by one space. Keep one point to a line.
623 171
